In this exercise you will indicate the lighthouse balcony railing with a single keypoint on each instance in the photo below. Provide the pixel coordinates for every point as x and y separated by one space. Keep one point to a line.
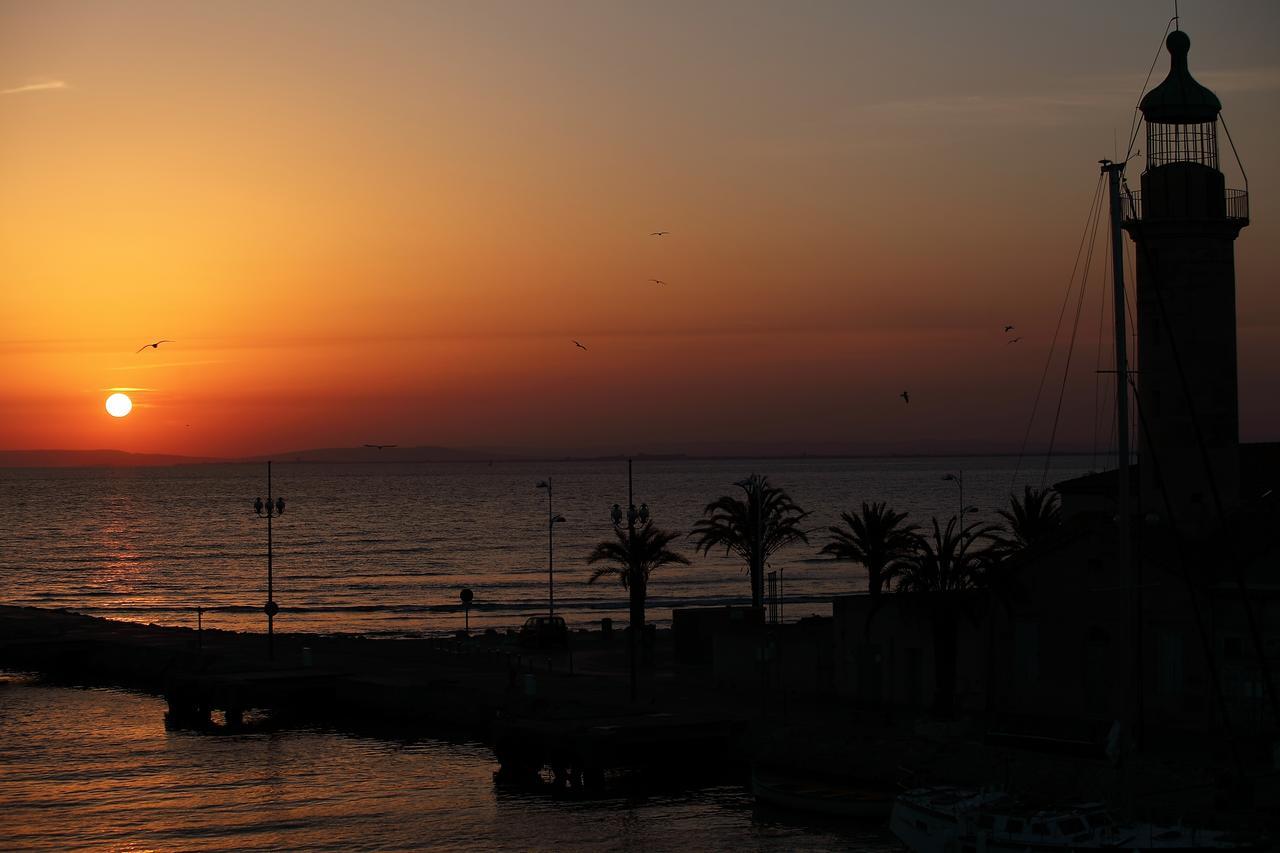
1234 208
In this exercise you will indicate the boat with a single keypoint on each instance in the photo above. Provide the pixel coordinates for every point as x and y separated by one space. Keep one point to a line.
809 793
960 820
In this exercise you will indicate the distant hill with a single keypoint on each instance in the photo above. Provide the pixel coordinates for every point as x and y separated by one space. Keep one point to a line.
428 453
387 454
93 459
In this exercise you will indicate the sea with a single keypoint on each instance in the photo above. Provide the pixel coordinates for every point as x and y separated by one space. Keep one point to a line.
94 769
384 550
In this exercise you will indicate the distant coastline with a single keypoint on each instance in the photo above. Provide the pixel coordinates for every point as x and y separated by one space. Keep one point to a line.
106 458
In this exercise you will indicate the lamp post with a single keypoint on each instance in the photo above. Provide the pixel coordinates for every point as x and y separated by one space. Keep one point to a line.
958 479
552 521
270 510
467 597
636 584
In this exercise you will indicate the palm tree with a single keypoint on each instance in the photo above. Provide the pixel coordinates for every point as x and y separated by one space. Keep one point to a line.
1032 521
754 528
947 563
632 558
876 538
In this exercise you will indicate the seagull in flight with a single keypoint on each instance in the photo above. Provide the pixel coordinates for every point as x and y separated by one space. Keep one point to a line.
657 281
379 446
1013 340
658 233
156 345
1008 329
906 398
578 345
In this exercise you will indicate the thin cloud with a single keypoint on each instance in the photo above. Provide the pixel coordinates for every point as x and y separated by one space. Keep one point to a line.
1038 109
166 364
1088 92
42 86
1243 80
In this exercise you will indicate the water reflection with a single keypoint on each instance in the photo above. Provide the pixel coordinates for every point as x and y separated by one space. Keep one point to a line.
96 769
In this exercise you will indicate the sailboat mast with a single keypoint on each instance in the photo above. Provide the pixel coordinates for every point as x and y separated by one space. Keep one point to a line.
1114 172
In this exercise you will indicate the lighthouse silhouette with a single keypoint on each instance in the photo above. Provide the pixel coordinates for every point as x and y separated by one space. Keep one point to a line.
1184 223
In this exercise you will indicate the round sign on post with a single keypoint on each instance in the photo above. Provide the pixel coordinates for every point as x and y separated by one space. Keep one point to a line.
467 595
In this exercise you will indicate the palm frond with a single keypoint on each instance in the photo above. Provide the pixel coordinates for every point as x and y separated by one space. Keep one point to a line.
634 557
876 537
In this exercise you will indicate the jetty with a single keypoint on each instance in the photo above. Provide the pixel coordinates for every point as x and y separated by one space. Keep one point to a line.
564 718
567 710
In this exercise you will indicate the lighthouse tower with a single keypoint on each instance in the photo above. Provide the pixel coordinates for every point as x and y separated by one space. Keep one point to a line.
1184 223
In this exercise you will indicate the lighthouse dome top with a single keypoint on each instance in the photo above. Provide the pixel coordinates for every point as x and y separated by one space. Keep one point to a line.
1180 99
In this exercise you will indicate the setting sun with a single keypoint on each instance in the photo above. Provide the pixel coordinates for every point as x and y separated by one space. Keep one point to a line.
119 405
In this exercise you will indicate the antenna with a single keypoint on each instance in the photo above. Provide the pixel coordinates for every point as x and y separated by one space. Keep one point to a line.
1177 23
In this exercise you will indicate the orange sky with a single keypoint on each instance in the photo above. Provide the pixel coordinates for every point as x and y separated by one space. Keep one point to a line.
386 222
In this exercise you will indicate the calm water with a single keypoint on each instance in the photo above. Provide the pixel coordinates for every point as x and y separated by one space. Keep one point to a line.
385 549
95 769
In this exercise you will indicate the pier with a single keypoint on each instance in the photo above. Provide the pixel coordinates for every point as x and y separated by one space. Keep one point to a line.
533 706
564 719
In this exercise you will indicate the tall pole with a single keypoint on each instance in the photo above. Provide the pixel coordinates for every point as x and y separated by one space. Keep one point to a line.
272 509
271 642
1114 172
635 579
757 556
960 482
551 552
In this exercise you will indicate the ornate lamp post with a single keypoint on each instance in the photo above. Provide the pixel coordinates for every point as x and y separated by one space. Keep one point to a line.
958 479
270 510
636 587
552 521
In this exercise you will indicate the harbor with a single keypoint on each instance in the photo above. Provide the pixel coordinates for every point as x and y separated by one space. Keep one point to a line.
561 720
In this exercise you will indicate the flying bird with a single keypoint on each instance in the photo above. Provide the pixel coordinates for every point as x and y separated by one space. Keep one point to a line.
379 446
906 398
657 281
658 233
1008 329
156 345
1014 340
578 345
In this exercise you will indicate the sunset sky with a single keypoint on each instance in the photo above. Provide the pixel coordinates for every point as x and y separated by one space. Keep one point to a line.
387 222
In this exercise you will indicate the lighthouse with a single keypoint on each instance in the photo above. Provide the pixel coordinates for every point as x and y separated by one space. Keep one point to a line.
1184 222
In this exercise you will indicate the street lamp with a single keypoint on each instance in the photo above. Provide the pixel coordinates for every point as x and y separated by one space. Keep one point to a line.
958 479
552 521
270 510
635 586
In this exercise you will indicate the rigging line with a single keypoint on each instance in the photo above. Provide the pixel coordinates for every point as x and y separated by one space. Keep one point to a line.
1075 328
1097 376
1111 448
1234 152
1129 287
1133 129
1135 362
1112 432
1066 300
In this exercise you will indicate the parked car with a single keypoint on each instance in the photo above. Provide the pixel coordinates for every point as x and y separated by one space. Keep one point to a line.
544 631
